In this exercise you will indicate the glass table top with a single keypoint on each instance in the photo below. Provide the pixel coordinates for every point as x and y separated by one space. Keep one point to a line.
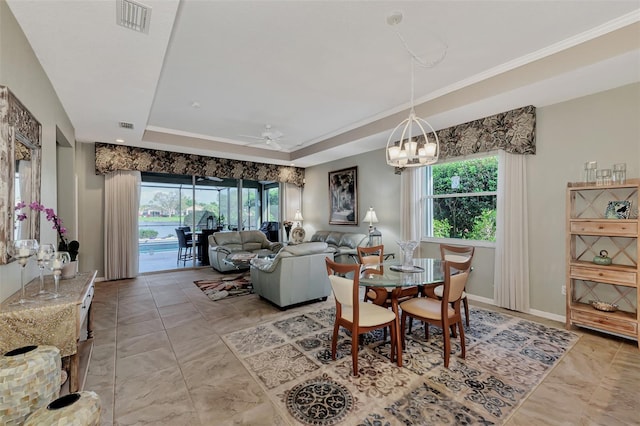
428 271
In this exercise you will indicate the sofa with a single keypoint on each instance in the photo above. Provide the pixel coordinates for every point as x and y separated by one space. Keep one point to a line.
343 244
298 274
222 244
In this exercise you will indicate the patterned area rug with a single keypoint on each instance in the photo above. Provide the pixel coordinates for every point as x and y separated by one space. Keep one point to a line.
507 357
224 287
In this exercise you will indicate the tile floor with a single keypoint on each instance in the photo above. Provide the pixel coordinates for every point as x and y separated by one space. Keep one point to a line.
158 359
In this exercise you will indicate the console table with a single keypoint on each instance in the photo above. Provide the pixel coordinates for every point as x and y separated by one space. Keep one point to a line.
55 322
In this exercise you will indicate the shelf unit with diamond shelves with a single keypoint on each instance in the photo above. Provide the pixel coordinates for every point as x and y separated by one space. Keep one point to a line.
589 232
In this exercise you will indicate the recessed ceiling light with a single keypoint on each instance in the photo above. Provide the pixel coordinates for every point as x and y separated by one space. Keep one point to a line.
120 140
195 104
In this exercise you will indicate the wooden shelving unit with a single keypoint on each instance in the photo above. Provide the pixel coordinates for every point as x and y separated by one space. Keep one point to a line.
589 232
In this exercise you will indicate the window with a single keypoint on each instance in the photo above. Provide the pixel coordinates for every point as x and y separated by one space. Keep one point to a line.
460 199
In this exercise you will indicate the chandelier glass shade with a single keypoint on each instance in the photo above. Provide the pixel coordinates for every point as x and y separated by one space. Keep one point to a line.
413 143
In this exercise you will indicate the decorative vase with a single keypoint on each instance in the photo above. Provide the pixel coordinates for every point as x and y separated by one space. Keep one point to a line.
603 258
74 409
407 248
69 270
29 380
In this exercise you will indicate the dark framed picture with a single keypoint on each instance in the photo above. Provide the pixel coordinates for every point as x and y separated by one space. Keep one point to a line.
343 197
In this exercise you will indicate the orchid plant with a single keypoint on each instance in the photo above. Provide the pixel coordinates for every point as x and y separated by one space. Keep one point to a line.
71 247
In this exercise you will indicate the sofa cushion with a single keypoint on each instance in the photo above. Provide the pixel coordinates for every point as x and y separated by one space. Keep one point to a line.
253 237
305 248
351 240
227 238
296 250
320 236
334 238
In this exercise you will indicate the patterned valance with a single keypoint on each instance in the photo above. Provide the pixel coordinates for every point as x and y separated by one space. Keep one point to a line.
512 131
110 158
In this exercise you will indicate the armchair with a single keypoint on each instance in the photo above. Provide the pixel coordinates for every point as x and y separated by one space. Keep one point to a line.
296 275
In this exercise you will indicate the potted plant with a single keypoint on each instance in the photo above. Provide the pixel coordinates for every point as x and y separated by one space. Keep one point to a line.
72 247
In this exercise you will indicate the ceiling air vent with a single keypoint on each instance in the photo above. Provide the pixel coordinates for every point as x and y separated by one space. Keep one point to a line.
133 15
126 125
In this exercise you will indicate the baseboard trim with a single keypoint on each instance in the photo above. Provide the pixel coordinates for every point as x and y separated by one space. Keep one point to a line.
547 315
535 312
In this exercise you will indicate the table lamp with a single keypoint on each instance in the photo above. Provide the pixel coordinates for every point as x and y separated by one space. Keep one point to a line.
375 236
297 233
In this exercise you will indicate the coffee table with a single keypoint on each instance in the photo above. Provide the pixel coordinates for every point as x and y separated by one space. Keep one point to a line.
239 260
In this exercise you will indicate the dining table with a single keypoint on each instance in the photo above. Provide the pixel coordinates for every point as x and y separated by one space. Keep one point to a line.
403 282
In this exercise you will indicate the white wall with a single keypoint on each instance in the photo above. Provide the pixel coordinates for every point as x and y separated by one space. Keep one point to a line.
22 73
603 127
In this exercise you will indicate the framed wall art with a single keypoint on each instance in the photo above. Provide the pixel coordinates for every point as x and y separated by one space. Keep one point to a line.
343 197
618 210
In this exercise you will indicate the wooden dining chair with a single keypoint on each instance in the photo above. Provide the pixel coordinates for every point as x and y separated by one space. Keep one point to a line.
443 313
456 254
357 317
371 259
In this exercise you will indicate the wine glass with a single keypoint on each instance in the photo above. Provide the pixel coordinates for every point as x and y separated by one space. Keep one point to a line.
22 250
44 257
58 260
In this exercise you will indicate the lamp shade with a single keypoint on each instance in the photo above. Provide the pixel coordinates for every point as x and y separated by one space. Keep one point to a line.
298 216
370 216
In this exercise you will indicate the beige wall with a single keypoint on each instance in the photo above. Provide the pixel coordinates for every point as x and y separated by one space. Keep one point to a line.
90 209
603 127
377 187
22 73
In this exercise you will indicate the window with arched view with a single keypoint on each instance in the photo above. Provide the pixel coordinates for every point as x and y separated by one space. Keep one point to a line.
460 199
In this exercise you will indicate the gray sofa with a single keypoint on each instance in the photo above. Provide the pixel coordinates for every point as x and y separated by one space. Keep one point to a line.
343 244
297 274
221 244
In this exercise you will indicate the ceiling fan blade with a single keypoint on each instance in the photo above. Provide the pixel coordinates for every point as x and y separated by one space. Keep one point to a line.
260 138
272 143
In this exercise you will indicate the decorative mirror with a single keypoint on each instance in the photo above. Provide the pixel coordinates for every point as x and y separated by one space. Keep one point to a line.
20 165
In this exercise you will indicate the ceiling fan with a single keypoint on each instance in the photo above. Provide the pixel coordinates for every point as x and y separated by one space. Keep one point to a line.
269 136
211 178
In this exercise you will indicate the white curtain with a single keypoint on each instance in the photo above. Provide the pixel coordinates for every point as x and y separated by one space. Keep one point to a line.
122 200
411 181
511 274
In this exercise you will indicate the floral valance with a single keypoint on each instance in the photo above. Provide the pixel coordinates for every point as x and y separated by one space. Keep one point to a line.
512 131
110 158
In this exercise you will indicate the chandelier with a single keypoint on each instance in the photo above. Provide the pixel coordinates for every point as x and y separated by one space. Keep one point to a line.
413 142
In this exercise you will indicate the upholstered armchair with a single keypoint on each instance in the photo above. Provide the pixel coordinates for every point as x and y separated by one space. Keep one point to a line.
296 275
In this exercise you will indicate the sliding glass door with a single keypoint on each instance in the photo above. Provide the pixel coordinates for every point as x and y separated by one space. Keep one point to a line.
204 205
